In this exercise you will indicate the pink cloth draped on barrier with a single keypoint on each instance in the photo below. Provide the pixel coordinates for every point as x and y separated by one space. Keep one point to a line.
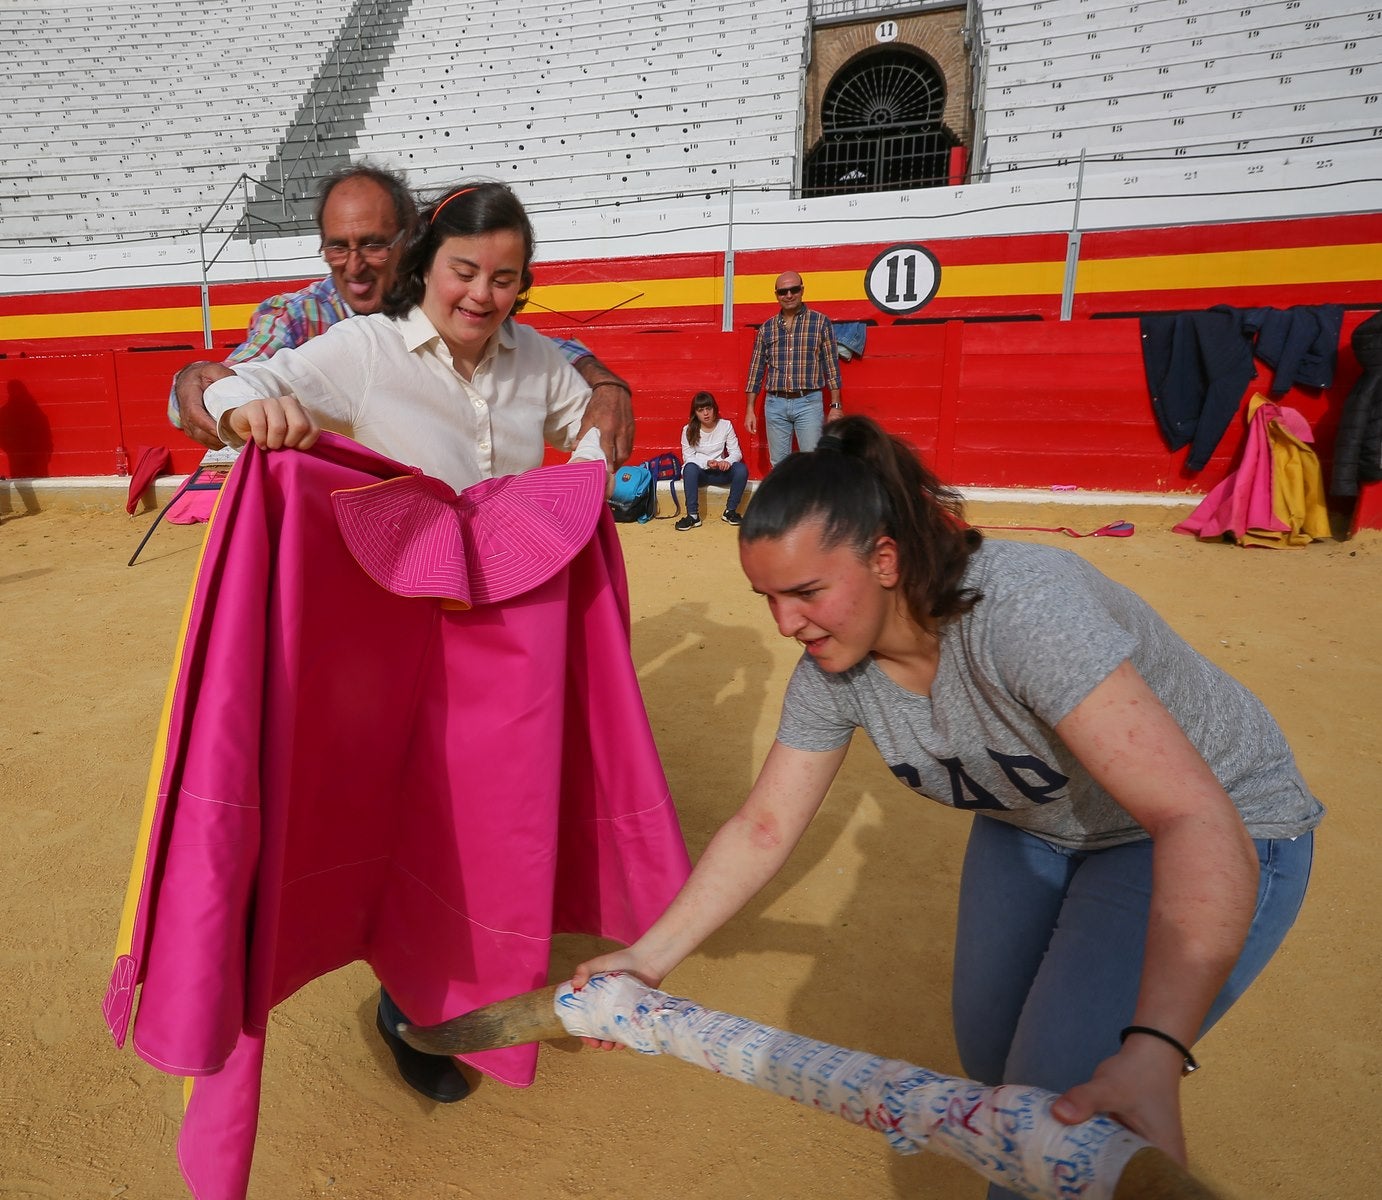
1275 496
346 772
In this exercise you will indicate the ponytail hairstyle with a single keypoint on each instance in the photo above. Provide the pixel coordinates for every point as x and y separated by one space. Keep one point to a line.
861 483
466 210
693 426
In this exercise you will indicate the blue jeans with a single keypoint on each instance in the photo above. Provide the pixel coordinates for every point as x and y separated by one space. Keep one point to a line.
1048 950
692 476
802 415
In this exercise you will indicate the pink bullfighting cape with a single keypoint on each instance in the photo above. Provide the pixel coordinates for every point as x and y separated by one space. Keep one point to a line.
403 726
1275 496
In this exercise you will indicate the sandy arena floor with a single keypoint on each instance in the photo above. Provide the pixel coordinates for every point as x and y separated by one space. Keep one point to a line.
851 944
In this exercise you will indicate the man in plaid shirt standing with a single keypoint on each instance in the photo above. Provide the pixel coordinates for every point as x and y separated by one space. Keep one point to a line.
795 358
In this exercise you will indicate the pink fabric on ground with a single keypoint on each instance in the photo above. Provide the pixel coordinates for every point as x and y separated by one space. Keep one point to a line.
1243 500
351 774
194 508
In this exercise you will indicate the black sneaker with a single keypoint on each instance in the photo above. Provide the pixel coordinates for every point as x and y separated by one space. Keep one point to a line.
732 518
690 521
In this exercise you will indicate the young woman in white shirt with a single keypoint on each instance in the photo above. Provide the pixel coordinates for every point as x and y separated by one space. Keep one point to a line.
442 379
710 454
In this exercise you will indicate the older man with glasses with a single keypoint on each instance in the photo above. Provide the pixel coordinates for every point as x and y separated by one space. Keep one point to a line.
795 359
364 214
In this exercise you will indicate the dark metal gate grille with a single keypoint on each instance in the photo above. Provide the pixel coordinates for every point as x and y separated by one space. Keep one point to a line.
888 87
881 128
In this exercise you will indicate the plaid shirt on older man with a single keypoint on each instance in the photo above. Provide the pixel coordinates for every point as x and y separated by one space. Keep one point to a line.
282 321
802 358
291 319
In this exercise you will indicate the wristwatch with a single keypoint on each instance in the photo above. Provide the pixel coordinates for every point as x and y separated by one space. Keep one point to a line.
834 406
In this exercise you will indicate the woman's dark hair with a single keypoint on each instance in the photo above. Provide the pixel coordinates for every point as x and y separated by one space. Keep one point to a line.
861 483
466 210
693 425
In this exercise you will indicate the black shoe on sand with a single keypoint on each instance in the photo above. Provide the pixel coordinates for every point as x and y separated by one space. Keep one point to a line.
436 1076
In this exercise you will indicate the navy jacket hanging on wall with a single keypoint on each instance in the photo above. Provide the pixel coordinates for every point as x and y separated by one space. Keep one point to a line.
1198 366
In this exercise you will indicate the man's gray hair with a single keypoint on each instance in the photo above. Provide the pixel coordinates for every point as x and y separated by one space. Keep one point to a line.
404 206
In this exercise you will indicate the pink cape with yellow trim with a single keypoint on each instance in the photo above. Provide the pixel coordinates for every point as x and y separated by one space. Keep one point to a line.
346 772
1275 496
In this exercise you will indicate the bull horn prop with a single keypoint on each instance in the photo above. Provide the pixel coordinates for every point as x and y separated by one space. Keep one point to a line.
1007 1134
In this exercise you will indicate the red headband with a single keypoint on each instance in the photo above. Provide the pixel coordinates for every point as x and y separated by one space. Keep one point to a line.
436 212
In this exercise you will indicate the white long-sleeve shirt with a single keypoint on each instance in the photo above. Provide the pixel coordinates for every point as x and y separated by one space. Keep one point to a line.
389 383
716 443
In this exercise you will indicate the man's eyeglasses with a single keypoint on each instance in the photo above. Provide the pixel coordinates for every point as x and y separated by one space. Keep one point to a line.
791 291
374 253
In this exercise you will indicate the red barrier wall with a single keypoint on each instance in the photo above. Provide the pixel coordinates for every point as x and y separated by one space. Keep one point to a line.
1010 404
70 414
1007 404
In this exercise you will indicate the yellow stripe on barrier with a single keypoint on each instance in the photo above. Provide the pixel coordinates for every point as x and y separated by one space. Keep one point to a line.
986 279
122 322
1002 279
695 291
588 301
1239 268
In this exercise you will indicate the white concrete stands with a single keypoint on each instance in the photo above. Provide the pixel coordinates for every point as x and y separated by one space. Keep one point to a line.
1085 53
1317 102
146 116
1026 23
693 218
1146 83
129 120
633 100
699 116
857 10
686 96
1156 77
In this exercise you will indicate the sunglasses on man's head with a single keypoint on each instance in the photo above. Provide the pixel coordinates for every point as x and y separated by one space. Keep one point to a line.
791 291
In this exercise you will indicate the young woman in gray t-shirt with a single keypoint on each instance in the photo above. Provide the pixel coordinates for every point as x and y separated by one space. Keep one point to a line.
1142 837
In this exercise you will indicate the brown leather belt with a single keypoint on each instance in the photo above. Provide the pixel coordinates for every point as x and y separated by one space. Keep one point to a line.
794 395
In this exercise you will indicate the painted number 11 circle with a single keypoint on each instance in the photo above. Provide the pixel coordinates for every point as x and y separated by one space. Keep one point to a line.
902 279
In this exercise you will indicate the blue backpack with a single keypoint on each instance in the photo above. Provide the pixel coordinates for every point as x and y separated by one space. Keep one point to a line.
634 497
635 488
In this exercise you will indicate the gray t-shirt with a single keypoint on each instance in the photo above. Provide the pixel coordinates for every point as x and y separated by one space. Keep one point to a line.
1049 629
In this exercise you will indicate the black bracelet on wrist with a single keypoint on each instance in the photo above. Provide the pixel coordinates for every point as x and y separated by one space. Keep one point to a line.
619 383
1189 1064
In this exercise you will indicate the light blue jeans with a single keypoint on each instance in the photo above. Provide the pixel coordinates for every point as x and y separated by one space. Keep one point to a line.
802 415
1048 950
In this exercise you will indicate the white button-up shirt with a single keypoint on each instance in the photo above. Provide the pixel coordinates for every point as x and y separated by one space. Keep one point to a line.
389 383
720 441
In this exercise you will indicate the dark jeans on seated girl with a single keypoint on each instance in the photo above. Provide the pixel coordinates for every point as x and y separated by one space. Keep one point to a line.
692 476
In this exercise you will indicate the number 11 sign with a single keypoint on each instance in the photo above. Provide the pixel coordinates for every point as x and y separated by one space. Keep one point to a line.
902 279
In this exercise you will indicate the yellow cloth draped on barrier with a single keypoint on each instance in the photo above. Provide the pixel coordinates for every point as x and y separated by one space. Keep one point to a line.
1275 497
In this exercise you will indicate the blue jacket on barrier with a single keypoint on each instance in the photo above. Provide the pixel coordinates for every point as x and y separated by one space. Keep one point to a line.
1198 366
1302 343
